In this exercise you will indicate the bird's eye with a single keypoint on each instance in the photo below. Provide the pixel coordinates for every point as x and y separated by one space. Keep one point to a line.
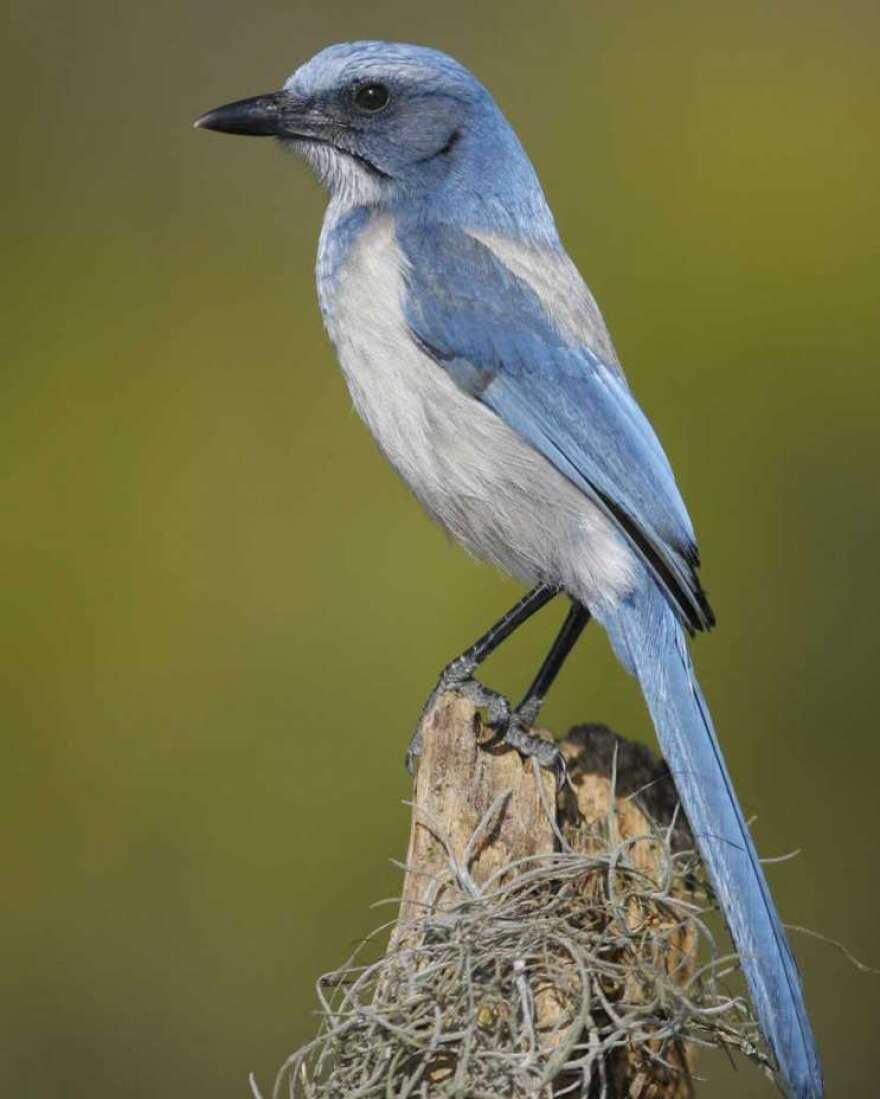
371 97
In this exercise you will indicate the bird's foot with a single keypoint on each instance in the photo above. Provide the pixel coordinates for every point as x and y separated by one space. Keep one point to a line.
516 731
456 677
508 726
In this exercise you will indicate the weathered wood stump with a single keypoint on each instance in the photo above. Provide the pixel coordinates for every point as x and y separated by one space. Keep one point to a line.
546 940
619 796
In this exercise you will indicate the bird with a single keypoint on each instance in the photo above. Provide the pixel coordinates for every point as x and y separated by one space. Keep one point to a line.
479 360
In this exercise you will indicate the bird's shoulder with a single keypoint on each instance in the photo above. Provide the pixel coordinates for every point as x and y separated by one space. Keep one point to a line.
528 286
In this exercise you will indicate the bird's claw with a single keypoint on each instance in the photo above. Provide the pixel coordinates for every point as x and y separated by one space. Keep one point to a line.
461 682
508 726
531 746
498 712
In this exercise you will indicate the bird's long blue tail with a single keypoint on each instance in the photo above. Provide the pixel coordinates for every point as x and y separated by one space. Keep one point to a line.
651 643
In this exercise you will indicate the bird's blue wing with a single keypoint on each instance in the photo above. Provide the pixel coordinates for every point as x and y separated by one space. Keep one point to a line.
488 328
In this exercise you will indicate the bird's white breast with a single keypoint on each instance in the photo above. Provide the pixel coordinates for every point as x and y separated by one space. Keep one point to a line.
492 491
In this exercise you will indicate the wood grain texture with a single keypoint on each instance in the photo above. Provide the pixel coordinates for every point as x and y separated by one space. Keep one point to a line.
457 782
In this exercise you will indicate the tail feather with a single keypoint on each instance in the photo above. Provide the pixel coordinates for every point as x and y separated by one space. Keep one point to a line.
651 643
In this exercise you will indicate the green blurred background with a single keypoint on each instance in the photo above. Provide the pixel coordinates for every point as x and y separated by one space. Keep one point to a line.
221 611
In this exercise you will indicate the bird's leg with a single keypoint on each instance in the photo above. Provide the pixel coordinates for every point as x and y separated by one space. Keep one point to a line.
461 669
574 625
458 675
515 727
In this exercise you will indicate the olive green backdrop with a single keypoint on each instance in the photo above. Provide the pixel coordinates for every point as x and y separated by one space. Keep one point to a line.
221 611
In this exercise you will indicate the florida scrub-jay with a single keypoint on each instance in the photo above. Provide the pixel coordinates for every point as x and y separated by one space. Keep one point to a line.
480 362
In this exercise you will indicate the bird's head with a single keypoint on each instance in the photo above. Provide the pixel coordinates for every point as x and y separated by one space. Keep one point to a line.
380 121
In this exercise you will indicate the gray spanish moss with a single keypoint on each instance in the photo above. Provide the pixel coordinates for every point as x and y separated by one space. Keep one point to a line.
531 983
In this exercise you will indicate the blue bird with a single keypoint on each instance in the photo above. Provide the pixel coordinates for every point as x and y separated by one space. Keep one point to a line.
479 360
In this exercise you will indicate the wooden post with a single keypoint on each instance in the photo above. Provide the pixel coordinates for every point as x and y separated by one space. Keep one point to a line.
457 783
546 940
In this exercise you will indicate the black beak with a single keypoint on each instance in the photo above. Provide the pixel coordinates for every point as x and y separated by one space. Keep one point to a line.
256 117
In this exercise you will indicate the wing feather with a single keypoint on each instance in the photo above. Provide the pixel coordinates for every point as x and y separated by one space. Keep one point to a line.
494 336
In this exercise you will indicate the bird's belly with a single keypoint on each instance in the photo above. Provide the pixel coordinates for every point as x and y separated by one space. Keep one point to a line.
500 498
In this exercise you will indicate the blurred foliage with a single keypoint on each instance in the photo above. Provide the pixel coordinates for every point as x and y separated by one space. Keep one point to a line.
221 610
